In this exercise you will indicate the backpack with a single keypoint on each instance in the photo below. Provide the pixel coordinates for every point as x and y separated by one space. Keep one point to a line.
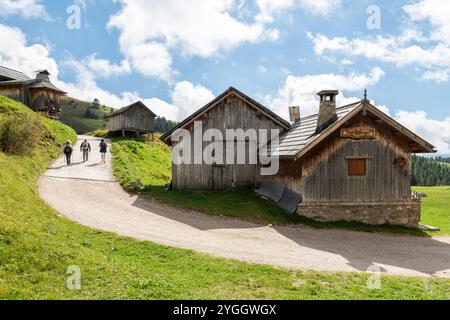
67 149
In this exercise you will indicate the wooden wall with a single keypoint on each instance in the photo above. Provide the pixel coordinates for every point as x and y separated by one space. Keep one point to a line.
232 113
136 118
324 172
15 93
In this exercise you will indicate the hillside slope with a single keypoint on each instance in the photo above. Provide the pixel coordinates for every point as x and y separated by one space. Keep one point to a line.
74 115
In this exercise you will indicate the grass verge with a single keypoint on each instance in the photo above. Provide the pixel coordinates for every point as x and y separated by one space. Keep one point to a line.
436 208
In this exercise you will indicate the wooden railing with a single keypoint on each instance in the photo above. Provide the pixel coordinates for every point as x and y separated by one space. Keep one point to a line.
416 197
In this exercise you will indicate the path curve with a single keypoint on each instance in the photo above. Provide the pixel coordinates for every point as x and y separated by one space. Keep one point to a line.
88 194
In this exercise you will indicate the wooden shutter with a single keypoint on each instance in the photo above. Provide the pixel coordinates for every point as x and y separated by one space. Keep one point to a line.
357 167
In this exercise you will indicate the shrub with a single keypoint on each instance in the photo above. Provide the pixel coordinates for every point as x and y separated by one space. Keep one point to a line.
20 133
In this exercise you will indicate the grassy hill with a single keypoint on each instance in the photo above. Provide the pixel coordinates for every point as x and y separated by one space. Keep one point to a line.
37 246
74 115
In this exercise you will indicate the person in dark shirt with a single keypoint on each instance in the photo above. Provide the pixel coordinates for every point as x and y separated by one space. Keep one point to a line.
68 150
103 150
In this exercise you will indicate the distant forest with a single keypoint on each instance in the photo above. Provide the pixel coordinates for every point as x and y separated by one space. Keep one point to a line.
430 171
163 125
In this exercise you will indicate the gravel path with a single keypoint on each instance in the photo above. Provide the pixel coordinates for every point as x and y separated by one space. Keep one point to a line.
88 194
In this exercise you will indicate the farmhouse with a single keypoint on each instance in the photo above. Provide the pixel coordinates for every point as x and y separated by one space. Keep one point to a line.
351 163
38 94
136 118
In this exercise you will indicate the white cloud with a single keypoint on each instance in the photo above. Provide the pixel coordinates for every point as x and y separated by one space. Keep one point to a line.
152 31
17 54
301 91
437 76
104 68
437 12
434 131
270 8
262 69
189 98
411 47
24 8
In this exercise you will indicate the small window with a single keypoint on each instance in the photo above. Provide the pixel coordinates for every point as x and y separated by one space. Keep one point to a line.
357 167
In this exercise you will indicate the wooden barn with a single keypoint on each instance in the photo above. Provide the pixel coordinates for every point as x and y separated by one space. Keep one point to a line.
136 118
230 110
38 94
351 163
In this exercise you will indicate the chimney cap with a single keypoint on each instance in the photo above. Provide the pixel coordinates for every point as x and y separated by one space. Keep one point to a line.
328 93
43 72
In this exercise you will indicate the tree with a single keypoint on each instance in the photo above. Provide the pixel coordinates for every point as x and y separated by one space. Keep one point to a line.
95 104
430 171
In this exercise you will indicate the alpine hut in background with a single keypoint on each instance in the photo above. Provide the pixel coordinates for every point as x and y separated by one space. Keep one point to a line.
39 94
136 118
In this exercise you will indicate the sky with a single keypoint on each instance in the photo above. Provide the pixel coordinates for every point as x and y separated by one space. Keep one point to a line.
177 55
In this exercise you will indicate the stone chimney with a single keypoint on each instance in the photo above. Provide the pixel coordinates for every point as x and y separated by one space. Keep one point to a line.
43 75
327 112
294 114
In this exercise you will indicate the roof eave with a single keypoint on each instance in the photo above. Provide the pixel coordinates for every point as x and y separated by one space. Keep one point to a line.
270 114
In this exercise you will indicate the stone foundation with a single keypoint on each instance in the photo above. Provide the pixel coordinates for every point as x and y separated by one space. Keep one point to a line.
401 214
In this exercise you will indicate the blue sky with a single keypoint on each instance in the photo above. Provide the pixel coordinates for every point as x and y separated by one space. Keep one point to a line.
177 55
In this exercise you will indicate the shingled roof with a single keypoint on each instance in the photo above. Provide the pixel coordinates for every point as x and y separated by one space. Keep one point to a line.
124 109
304 132
231 91
11 74
302 137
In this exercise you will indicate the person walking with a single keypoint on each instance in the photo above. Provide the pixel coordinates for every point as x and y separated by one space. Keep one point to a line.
68 150
103 150
85 148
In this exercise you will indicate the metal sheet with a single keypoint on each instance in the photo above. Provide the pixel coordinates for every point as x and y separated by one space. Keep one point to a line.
290 201
271 189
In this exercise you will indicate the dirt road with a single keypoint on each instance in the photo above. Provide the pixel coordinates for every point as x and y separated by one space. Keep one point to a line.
88 194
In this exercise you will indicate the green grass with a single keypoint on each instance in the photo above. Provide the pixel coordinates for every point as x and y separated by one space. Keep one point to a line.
436 208
75 116
37 246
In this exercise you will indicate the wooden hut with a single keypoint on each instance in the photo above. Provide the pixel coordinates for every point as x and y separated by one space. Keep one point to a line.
231 110
39 94
351 163
136 118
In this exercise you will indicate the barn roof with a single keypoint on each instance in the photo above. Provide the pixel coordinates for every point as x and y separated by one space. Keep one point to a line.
13 74
44 84
18 78
231 91
302 137
304 132
124 109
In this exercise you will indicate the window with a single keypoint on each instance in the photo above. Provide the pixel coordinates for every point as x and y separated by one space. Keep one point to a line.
357 167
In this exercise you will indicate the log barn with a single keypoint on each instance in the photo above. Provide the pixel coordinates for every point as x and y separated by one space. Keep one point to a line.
136 118
39 94
351 163
231 110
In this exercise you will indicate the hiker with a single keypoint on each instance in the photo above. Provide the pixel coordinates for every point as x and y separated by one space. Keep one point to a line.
85 148
68 150
103 150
